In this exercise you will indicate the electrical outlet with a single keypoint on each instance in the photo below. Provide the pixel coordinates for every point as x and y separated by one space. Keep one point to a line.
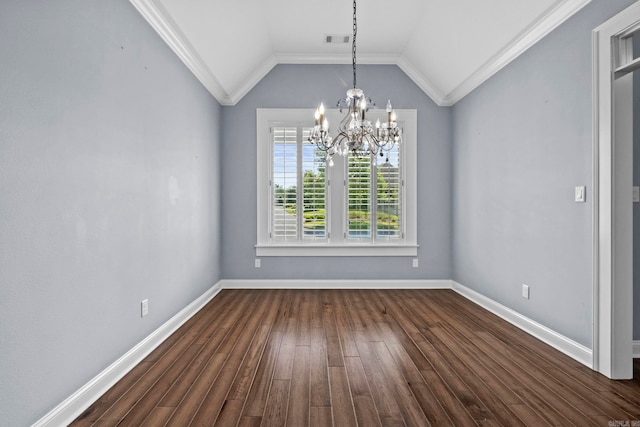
258 263
525 291
416 263
144 307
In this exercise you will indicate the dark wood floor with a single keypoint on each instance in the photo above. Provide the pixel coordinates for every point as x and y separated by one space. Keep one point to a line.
367 358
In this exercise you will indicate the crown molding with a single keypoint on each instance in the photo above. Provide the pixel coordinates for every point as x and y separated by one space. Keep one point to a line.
336 58
549 21
253 79
421 80
158 17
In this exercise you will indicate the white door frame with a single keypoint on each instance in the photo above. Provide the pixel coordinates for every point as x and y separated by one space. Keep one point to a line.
612 220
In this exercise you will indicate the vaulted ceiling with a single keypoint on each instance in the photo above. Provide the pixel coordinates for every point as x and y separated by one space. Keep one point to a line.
447 47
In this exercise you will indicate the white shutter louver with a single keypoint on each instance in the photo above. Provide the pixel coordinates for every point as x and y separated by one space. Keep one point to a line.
388 195
359 197
298 186
314 190
284 214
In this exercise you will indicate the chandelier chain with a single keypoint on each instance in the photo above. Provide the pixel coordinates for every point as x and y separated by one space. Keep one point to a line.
356 135
353 45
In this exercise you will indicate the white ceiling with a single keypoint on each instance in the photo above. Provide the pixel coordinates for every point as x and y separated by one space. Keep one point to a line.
447 47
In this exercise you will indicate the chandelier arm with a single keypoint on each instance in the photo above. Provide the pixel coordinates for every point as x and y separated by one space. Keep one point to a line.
343 126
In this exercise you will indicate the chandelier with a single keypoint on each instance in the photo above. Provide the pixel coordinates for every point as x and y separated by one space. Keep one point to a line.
356 135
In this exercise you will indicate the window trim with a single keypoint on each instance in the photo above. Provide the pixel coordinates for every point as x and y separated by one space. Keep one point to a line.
337 244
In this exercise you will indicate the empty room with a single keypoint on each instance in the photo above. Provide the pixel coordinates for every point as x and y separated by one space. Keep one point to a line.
348 213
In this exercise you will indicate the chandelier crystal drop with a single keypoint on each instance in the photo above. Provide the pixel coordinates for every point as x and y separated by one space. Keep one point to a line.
356 135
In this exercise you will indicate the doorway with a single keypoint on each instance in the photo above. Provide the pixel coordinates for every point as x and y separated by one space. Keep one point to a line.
614 65
636 201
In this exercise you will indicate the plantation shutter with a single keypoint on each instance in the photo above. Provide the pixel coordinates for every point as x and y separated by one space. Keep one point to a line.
284 222
374 197
314 190
389 195
298 186
359 198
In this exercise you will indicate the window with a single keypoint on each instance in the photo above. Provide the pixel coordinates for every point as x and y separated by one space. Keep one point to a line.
362 206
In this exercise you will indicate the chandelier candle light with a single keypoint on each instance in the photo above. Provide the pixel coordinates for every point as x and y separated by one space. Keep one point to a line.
356 134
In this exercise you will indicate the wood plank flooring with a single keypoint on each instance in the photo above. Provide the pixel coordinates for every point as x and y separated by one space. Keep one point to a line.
359 358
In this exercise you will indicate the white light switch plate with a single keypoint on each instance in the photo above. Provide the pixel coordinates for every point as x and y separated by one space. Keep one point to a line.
144 307
581 194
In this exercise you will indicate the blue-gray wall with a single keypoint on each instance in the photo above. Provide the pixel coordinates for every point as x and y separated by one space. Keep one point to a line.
109 194
117 169
305 86
636 182
522 142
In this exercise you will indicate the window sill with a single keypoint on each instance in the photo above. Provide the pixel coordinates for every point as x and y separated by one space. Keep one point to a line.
337 250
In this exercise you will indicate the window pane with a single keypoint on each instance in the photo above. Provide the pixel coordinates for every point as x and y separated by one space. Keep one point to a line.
359 197
285 178
388 195
313 190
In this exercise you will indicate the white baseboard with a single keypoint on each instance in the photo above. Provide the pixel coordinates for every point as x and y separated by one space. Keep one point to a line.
569 347
636 349
78 402
336 284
